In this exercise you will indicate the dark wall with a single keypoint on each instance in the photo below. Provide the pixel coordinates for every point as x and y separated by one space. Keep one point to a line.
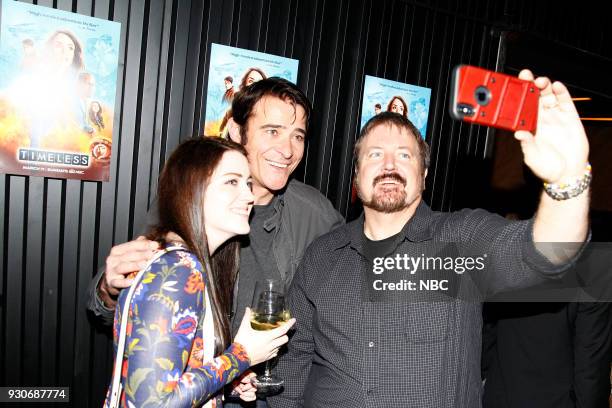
55 233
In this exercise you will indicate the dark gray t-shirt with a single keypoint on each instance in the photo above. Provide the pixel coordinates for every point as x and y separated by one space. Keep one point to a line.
257 259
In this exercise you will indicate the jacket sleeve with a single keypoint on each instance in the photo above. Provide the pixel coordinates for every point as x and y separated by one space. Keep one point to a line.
592 347
94 303
294 366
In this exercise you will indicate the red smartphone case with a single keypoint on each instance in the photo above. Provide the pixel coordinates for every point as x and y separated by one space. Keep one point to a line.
492 99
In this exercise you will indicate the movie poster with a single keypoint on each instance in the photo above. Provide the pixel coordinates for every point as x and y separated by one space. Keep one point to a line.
58 76
384 95
232 69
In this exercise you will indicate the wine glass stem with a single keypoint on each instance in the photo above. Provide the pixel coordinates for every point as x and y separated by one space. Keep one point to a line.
267 368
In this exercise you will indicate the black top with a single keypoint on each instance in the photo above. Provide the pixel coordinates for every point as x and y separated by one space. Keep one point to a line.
547 355
256 259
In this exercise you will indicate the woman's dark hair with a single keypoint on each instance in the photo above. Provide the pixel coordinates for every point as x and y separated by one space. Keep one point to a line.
77 60
182 187
243 84
245 100
96 117
399 98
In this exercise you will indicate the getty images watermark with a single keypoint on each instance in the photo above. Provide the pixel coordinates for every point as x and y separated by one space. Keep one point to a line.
411 265
432 272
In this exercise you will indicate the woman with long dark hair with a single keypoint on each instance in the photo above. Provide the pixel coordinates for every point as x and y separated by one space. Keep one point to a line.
251 76
95 115
397 104
175 355
64 52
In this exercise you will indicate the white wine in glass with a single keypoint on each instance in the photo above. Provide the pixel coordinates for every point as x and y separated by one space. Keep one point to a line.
269 311
269 322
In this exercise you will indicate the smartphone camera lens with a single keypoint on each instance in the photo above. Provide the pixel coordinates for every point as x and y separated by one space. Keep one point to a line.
482 95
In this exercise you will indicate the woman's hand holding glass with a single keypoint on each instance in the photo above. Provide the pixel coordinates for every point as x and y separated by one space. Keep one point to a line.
269 312
261 345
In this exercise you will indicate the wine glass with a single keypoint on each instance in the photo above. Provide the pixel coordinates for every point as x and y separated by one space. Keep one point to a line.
269 311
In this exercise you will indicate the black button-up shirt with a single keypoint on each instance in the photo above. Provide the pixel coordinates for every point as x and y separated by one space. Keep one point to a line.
348 351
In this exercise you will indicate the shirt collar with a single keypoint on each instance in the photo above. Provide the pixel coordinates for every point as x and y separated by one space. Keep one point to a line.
278 201
417 229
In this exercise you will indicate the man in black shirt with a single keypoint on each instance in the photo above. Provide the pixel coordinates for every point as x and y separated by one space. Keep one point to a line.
417 346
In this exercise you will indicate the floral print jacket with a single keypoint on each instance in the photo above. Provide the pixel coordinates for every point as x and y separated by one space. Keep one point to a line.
163 360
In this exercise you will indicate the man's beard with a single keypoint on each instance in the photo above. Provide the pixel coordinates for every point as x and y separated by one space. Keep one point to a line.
386 202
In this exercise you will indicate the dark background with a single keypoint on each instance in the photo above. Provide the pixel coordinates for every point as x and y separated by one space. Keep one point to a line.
55 233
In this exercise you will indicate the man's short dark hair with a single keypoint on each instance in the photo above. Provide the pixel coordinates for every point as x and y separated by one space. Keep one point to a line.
229 79
245 100
378 106
393 119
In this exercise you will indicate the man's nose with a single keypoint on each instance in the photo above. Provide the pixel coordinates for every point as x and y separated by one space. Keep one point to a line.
389 163
285 148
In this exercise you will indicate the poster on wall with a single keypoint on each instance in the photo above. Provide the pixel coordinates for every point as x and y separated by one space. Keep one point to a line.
232 69
58 79
381 95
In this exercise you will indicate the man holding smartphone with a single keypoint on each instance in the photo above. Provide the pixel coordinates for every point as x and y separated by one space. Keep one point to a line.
357 346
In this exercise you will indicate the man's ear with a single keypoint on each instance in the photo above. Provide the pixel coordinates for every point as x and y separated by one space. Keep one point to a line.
233 130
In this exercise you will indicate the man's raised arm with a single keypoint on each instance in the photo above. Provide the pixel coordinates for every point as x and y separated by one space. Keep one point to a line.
558 155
